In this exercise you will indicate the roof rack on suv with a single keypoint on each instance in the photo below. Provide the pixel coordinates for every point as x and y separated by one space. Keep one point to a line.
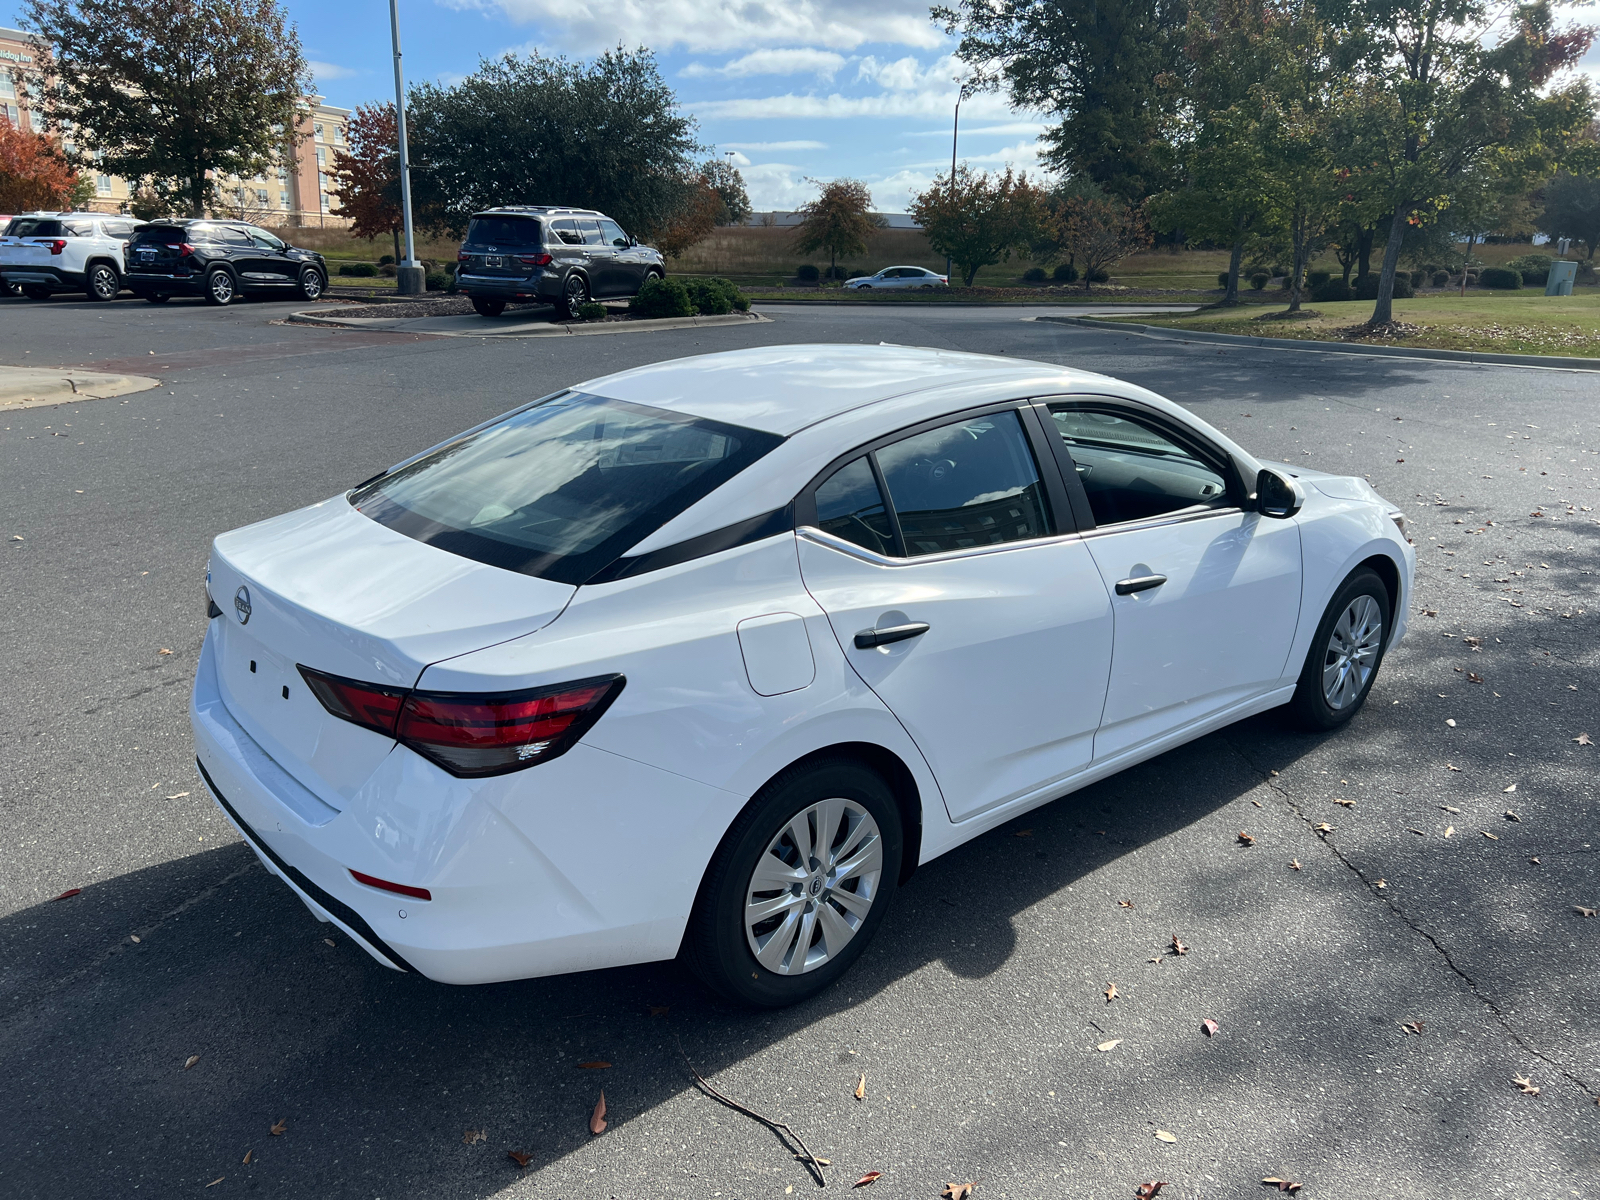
541 209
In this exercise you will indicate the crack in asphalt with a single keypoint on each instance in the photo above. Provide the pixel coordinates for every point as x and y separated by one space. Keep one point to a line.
1270 778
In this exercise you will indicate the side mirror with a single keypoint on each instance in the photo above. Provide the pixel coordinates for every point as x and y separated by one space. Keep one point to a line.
1277 495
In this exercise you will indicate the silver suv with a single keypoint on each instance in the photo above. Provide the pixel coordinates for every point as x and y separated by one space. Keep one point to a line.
560 256
48 252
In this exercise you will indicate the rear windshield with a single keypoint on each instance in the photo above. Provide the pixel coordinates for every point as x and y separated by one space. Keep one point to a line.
160 233
504 231
35 227
562 488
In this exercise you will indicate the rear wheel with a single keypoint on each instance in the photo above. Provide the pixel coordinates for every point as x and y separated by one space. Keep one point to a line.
220 288
158 297
798 887
311 283
103 283
35 291
1345 654
574 294
486 307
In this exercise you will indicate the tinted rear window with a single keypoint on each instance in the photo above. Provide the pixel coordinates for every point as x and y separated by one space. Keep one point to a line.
562 488
35 227
161 234
504 231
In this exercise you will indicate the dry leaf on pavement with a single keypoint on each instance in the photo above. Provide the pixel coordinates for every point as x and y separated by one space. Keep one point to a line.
1283 1185
1022 833
1412 1027
597 1119
596 1065
1512 788
1245 839
519 1157
1582 911
1111 1045
69 893
1450 808
1124 903
473 1136
1511 816
1163 1136
1525 1086
190 1061
248 1155
1449 831
1294 864
1323 827
163 650
1149 1191
1177 946
1343 802
283 1124
1111 992
1583 739
861 1087
1489 835
957 1191
216 1181
869 1177
1474 678
1209 1027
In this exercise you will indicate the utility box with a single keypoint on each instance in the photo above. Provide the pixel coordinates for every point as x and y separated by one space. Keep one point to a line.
1560 281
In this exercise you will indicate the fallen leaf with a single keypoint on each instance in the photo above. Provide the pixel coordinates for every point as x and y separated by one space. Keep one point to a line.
597 1119
1451 767
1583 739
1450 808
1209 1027
1163 1136
869 1177
1512 788
1430 612
1583 912
821 1162
957 1191
248 1155
519 1157
216 1181
1245 839
1149 1191
1124 903
1111 1045
1449 831
1472 678
283 1124
163 650
1294 864
190 1061
134 938
1418 832
1022 833
1534 861
1474 642
1111 992
1450 721
1488 835
330 942
69 893
1412 1027
1177 946
861 1087
597 1065
1257 803
1525 1086
1381 884
1344 803
473 1136
177 795
1283 1185
1323 827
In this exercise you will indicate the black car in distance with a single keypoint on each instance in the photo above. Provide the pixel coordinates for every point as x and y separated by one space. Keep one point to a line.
560 256
220 260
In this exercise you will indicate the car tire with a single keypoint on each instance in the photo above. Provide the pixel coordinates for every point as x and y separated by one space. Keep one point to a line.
158 298
486 307
102 284
311 284
860 835
574 294
221 290
1345 654
36 292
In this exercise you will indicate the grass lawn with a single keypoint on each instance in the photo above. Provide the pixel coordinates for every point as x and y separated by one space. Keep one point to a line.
1521 322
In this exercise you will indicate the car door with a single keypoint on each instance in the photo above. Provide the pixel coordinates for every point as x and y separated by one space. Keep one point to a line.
232 245
603 274
626 261
269 258
980 622
566 247
1205 594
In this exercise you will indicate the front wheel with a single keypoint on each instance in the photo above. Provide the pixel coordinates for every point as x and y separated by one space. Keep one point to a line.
220 288
103 283
311 284
798 887
486 307
1345 654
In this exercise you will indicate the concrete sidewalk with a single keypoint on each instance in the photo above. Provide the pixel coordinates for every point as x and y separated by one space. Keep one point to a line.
473 326
32 387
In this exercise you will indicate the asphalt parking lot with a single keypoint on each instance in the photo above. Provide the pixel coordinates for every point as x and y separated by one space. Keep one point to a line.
1438 896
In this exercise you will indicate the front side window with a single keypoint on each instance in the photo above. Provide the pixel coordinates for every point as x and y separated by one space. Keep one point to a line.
562 488
265 240
1132 471
612 234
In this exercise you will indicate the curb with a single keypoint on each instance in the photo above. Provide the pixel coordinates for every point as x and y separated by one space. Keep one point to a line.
37 387
397 325
1540 361
918 302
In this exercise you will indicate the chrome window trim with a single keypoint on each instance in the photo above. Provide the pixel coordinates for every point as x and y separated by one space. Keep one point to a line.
823 538
1182 516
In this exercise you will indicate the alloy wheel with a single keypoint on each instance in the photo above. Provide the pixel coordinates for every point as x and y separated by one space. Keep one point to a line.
221 286
813 886
577 292
103 280
311 284
1352 652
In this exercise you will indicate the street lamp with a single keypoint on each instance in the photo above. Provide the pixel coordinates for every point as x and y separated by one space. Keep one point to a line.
409 280
955 133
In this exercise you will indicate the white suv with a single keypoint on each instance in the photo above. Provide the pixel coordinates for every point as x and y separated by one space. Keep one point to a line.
45 253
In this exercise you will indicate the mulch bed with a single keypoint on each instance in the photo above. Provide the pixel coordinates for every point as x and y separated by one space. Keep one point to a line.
445 306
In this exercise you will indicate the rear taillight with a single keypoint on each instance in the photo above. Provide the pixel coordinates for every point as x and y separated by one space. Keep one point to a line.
472 734
57 246
462 256
183 249
535 260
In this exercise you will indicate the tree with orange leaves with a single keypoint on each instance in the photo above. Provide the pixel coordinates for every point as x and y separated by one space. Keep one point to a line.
34 174
368 174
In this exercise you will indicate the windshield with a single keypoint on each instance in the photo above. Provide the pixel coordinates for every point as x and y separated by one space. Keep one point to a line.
504 231
562 488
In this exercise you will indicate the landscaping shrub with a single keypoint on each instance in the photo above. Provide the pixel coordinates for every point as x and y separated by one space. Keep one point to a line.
712 296
1318 278
1099 276
1034 275
1330 290
1535 278
388 270
1367 286
1222 278
359 268
838 273
1539 264
1441 279
1500 277
436 281
1418 277
386 260
1067 273
1258 280
590 311
807 273
1279 269
662 298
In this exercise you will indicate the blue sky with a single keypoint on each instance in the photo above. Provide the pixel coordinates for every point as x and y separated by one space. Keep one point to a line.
795 88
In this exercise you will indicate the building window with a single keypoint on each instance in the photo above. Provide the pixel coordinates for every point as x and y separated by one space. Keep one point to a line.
36 119
102 184
261 198
283 176
326 206
9 111
322 157
8 88
317 129
283 200
338 135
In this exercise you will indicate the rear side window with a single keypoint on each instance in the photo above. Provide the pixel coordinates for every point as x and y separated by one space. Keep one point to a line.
39 227
79 228
850 506
504 231
567 231
562 488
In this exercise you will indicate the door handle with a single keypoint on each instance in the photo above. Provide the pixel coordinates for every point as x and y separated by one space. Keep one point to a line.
1140 583
868 638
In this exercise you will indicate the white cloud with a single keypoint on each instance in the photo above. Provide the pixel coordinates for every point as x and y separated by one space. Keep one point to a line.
836 106
711 25
1010 127
903 74
767 146
822 63
326 71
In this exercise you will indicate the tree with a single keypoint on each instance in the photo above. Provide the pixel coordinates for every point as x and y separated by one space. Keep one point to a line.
1436 102
693 220
176 94
367 174
724 179
1103 233
984 219
1572 210
528 129
837 221
34 174
1108 70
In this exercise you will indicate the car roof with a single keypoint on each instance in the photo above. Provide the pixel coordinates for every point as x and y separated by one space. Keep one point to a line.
537 210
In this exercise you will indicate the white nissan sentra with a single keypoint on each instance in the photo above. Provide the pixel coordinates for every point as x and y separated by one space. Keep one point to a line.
704 658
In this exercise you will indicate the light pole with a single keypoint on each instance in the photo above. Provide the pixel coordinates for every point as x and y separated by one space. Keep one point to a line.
955 133
409 278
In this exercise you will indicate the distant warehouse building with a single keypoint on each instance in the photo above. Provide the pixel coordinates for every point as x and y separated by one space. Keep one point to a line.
299 191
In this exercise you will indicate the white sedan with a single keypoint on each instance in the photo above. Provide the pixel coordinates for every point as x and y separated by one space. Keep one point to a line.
706 657
898 277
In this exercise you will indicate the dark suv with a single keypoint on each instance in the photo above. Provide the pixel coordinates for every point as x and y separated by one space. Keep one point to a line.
561 256
220 260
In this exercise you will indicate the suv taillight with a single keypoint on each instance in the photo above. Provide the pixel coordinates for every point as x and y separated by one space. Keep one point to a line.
472 734
535 260
184 249
462 256
57 246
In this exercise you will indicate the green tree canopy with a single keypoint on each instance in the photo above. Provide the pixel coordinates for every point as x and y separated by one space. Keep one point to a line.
1572 209
837 221
724 179
984 219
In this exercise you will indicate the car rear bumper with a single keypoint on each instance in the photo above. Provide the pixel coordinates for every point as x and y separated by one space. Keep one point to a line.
148 282
542 284
32 276
529 875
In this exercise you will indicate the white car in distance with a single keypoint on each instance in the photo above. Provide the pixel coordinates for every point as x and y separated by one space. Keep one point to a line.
706 657
898 277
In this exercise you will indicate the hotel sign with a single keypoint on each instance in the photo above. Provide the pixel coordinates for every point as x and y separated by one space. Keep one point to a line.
13 56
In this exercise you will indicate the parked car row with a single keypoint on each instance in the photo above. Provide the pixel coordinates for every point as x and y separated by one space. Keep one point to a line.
101 256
